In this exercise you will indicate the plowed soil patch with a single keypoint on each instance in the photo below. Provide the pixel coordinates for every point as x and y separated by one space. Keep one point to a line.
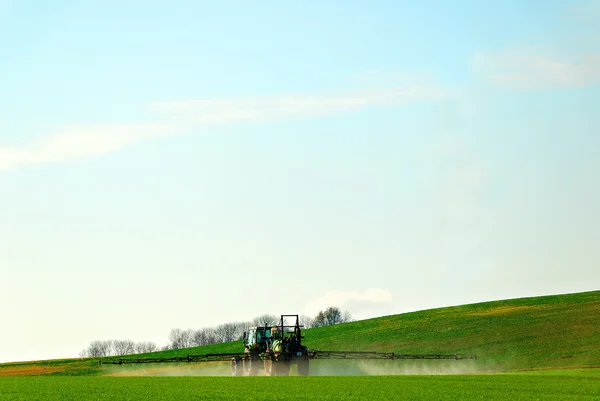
29 370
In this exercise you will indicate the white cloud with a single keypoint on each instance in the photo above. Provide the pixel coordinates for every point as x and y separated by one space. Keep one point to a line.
73 143
342 299
270 108
80 142
532 68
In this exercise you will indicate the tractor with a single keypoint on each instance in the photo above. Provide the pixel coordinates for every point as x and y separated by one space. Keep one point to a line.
272 348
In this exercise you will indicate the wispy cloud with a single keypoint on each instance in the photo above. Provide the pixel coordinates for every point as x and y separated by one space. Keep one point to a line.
270 108
79 142
532 68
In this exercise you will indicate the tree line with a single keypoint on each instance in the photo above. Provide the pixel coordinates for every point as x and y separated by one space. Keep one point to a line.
117 347
222 333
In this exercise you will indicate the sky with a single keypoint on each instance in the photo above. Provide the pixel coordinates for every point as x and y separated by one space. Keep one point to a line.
183 164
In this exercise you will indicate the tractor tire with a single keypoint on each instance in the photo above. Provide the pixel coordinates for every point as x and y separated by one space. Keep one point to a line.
268 367
233 366
254 367
251 366
303 363
236 367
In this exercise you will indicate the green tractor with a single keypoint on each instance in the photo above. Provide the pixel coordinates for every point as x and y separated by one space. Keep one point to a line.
273 349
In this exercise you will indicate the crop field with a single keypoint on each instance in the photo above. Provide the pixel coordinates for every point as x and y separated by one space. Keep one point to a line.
550 331
555 332
575 386
543 348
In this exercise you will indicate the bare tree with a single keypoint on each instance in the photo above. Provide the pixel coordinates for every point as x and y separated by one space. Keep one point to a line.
204 336
181 338
242 327
117 347
187 338
175 338
123 347
144 347
94 349
265 320
229 331
200 337
110 348
211 335
306 321
130 348
97 349
347 317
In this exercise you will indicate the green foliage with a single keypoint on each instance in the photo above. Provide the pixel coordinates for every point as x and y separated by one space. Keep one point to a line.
330 316
468 387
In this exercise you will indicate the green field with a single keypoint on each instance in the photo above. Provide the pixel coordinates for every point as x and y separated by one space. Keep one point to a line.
545 347
528 333
558 331
464 387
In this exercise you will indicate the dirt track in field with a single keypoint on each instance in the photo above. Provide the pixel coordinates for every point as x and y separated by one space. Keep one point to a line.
29 370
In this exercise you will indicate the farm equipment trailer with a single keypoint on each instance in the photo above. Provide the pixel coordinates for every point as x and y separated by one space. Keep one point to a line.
273 349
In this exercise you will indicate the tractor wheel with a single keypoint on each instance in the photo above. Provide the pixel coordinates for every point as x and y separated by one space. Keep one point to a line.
251 366
268 366
254 367
303 366
236 367
246 366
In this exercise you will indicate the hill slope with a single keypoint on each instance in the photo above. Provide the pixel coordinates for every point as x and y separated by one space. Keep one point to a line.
550 331
540 332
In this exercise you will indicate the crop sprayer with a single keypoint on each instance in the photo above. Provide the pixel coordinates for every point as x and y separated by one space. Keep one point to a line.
273 349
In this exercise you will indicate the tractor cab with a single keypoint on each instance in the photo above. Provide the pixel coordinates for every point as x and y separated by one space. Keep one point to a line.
277 337
257 338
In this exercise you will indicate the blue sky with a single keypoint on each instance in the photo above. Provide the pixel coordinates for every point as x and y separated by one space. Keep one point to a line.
381 156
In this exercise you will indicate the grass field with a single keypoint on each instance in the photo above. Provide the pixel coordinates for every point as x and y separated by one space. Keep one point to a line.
463 387
558 331
539 332
541 345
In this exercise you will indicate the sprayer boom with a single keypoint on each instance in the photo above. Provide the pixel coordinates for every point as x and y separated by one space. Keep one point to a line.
311 355
274 348
383 355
